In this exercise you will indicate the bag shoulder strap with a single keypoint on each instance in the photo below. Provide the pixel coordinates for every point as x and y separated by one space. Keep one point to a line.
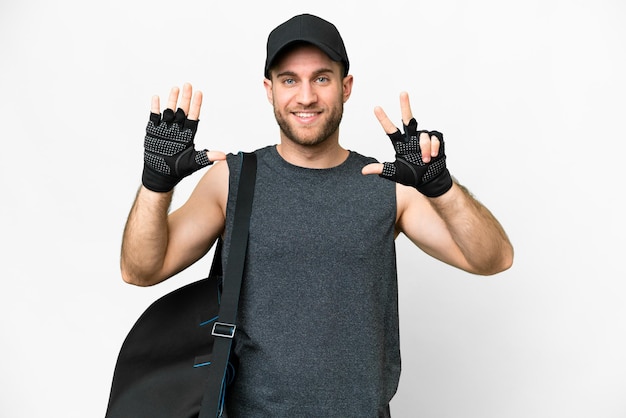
224 328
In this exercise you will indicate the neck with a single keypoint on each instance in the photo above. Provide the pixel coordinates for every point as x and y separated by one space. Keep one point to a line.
327 154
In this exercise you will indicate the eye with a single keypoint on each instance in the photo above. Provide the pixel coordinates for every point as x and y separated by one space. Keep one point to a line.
289 81
322 79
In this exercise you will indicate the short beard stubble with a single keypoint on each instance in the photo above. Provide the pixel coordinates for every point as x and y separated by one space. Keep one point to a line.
330 127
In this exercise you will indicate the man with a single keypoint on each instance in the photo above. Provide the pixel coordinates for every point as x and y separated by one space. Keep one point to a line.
318 321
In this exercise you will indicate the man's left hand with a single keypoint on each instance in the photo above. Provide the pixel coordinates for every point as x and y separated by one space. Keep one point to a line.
420 155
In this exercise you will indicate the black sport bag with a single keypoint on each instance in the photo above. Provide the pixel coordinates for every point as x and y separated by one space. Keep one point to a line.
174 362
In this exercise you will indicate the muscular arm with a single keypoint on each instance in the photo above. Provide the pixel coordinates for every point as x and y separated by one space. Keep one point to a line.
436 213
156 245
455 228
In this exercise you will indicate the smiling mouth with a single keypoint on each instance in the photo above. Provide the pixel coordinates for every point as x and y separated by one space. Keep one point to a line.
305 115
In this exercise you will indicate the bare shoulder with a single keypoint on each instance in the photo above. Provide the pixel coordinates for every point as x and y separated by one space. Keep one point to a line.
410 204
204 212
211 192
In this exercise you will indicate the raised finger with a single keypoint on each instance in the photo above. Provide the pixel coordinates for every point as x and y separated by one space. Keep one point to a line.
405 107
173 98
435 145
384 120
155 105
185 101
196 104
425 146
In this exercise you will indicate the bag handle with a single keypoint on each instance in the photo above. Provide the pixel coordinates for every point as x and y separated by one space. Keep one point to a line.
224 328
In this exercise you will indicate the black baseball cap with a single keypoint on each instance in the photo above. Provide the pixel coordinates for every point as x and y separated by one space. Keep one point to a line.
310 29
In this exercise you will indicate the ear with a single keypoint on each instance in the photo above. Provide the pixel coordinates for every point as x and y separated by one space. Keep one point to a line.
348 81
268 90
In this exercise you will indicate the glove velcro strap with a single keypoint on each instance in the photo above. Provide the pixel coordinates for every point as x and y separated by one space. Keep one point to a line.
436 186
156 181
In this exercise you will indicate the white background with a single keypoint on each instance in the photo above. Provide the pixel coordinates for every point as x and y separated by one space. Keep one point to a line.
531 96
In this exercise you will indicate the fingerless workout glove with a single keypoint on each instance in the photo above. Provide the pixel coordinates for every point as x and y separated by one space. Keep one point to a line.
169 153
431 179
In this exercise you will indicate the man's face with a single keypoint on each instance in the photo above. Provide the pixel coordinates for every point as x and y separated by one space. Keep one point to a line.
308 90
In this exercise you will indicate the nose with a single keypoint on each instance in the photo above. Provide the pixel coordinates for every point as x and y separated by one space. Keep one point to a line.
307 94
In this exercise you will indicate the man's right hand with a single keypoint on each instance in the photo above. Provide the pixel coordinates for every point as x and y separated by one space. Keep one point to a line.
169 153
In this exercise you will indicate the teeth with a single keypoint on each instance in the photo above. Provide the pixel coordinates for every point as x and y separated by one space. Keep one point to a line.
305 115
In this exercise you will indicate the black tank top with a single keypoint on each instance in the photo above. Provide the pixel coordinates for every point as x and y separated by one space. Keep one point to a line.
317 328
